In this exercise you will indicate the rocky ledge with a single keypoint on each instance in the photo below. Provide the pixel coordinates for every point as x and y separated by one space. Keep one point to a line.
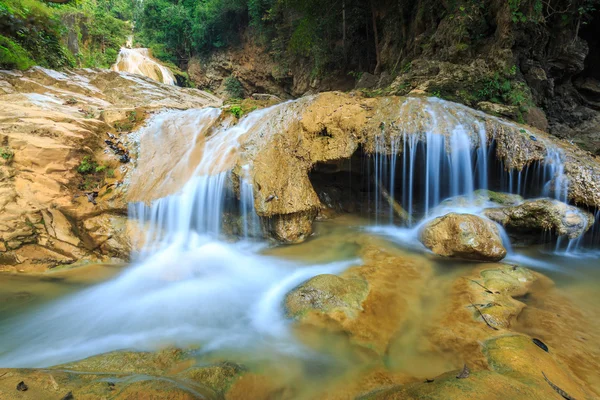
62 167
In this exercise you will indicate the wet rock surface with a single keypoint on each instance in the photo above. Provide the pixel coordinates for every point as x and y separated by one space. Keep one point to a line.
535 217
463 236
50 121
327 293
285 143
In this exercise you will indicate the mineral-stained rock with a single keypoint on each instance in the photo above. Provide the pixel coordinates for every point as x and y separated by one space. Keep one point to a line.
542 215
463 236
326 293
291 228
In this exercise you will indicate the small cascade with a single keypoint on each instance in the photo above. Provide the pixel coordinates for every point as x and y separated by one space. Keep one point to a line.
251 226
204 202
449 153
434 164
139 61
557 184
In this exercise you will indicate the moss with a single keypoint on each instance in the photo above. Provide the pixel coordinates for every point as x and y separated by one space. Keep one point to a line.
234 88
7 154
13 56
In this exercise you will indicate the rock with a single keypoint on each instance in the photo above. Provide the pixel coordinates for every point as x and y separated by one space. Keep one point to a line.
265 97
367 81
326 293
463 236
218 377
498 109
482 196
291 228
49 140
363 307
517 356
542 215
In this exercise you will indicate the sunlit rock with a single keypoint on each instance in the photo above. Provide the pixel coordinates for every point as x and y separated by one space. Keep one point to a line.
327 293
463 236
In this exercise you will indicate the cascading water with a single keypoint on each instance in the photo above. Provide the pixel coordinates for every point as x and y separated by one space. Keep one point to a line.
188 287
139 61
451 155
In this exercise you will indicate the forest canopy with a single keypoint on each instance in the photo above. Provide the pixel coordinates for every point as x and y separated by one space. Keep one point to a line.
80 33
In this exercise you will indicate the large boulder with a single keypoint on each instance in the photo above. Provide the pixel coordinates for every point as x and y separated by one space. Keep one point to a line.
533 217
326 293
464 236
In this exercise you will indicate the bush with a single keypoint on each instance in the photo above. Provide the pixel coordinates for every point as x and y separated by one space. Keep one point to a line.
7 154
13 56
237 111
234 88
87 166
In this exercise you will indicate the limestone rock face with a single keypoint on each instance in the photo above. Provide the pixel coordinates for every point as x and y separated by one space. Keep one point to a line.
326 293
542 215
463 236
50 121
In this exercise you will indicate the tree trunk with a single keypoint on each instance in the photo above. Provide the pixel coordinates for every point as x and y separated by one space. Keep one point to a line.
376 39
344 29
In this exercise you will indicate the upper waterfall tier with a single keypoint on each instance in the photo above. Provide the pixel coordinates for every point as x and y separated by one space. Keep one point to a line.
280 145
139 61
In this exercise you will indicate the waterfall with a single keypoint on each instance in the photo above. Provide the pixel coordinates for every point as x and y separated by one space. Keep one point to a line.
188 286
447 152
139 61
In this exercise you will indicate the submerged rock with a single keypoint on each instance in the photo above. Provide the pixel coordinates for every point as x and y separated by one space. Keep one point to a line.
481 197
327 293
542 215
463 236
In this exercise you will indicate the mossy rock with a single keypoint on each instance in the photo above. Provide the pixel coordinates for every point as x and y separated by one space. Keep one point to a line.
505 199
13 56
518 357
217 377
543 215
127 362
487 385
327 293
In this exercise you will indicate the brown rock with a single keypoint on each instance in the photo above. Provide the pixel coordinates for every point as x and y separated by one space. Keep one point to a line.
463 236
542 215
327 293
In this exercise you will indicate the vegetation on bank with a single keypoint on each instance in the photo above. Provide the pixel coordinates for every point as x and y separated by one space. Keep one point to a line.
81 33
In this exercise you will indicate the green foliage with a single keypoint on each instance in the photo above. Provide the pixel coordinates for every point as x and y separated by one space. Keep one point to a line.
236 110
13 56
234 88
37 30
7 154
87 166
34 32
306 31
93 174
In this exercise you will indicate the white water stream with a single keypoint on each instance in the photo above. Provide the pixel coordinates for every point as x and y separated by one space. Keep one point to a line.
191 287
139 61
